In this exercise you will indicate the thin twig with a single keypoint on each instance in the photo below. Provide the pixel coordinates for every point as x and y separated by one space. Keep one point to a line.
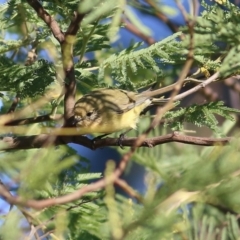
38 119
14 104
128 189
136 31
213 78
24 212
162 17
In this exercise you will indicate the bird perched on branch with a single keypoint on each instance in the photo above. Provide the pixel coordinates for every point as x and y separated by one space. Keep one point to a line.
111 110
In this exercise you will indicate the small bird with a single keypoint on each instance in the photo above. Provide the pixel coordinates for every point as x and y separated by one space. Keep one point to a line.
111 110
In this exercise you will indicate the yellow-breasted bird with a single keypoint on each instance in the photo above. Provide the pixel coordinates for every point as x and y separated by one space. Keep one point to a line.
112 110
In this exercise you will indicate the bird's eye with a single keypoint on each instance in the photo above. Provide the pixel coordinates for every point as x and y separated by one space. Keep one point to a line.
89 114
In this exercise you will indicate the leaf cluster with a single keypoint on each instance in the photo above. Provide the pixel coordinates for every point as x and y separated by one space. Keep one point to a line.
27 81
62 172
200 115
133 60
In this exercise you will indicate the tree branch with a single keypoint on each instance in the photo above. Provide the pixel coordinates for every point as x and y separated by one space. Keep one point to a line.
29 142
14 104
48 19
162 17
132 28
68 66
128 189
66 40
75 24
38 119
213 78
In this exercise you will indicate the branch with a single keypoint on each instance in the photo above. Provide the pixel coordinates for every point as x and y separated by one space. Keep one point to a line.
66 40
7 194
133 29
162 17
75 24
40 204
172 137
213 78
128 189
48 19
38 119
68 66
30 142
14 104
5 118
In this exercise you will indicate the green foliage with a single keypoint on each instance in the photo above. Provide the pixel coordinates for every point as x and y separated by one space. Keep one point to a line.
133 60
200 115
12 45
218 30
207 178
49 173
12 219
27 81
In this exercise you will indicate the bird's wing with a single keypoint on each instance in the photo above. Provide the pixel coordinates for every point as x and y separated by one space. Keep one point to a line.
126 100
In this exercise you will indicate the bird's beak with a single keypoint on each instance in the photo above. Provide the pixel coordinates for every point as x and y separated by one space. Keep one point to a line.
76 120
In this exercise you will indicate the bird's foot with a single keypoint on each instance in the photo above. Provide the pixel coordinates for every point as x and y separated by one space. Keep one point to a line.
120 139
97 138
